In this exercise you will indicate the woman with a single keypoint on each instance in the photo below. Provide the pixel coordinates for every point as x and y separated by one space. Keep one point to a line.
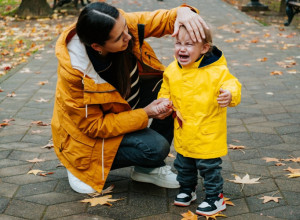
104 96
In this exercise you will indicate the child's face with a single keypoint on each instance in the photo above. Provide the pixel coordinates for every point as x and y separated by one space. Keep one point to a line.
187 51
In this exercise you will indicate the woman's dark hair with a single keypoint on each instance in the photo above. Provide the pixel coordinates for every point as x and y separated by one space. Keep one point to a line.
94 25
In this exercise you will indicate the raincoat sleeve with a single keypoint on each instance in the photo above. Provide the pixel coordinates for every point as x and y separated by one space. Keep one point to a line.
164 91
231 83
157 23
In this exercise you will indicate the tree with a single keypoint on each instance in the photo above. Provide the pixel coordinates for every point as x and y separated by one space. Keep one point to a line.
34 9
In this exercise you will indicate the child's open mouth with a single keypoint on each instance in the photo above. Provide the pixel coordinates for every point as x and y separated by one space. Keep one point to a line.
183 57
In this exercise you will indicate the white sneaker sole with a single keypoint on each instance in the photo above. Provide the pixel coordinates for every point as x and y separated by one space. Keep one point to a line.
220 209
184 204
147 178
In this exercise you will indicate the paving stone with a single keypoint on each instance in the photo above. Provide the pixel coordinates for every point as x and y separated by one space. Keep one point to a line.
4 153
252 216
52 198
38 139
16 145
239 155
285 184
251 169
22 155
256 204
24 209
7 189
266 139
239 208
85 217
10 163
283 212
11 138
288 129
8 217
64 209
260 129
3 204
15 170
13 130
165 216
148 189
36 188
25 179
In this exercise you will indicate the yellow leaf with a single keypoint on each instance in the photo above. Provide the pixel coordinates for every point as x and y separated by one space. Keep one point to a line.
215 216
262 59
228 202
189 216
234 147
292 170
293 175
104 200
35 172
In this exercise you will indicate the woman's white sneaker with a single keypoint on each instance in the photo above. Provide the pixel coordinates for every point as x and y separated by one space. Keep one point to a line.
78 186
161 176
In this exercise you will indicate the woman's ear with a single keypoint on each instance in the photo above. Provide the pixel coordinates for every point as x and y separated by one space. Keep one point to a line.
97 47
205 48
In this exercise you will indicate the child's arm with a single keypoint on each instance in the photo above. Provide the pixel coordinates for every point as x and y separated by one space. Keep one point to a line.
230 91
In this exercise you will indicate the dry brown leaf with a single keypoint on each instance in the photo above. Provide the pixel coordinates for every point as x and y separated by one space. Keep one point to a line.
254 40
276 72
245 180
13 94
7 120
171 155
294 175
104 200
235 140
36 160
4 124
235 147
104 191
292 170
231 40
189 216
228 202
40 123
262 59
294 159
270 198
43 82
280 164
270 159
292 71
35 172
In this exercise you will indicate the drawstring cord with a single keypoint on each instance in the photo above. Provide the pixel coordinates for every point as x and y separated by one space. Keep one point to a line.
103 159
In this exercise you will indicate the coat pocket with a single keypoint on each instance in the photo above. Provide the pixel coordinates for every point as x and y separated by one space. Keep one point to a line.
77 152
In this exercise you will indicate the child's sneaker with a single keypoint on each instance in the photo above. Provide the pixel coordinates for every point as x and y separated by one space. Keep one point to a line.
211 206
185 197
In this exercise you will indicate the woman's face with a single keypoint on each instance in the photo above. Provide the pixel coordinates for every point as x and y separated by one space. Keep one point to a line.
118 37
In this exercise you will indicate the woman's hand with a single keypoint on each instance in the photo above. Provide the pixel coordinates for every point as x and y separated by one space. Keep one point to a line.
193 23
160 108
224 98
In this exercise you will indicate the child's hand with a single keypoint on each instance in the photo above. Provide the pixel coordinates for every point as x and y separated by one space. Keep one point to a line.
164 106
224 98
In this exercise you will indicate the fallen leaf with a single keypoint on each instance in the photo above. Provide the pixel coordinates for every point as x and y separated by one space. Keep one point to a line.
270 159
48 146
270 198
43 82
36 132
262 59
171 155
36 160
104 200
4 124
245 180
235 140
279 164
292 170
292 71
293 175
189 216
293 159
234 147
7 120
13 94
276 72
254 40
104 191
42 100
35 172
40 123
215 216
228 202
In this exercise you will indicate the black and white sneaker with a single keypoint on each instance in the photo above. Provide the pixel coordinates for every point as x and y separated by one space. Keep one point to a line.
184 198
211 206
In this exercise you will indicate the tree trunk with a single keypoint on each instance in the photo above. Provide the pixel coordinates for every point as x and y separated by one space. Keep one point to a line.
282 6
34 9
